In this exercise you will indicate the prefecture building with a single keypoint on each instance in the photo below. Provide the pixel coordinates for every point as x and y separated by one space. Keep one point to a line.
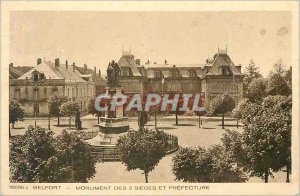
216 76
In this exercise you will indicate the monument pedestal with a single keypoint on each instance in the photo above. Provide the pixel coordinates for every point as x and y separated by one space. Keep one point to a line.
112 126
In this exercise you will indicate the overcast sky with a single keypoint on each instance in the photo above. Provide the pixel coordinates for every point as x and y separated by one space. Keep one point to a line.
95 38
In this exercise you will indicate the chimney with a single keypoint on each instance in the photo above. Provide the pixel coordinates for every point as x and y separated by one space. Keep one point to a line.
73 66
138 61
166 62
38 61
99 72
95 70
85 67
57 62
11 65
66 64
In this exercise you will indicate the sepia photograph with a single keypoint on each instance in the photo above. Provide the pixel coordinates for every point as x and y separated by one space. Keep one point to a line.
152 99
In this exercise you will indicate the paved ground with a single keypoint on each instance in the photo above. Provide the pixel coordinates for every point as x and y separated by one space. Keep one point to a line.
188 132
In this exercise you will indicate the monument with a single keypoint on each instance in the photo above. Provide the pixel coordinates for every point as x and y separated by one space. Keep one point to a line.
113 124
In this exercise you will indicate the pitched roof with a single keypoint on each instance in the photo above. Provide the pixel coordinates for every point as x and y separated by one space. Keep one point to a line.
16 72
95 77
128 61
222 59
52 72
69 74
47 68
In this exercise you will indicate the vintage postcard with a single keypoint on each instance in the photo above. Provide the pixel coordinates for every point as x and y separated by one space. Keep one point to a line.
149 98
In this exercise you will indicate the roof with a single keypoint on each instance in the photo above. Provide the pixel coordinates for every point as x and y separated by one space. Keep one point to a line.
172 65
95 77
52 72
47 67
183 71
222 59
128 61
16 72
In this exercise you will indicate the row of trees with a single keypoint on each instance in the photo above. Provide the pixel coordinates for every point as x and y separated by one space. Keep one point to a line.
61 105
38 156
263 148
264 145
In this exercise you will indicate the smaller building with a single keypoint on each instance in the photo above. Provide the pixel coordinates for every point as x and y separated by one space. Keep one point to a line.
34 87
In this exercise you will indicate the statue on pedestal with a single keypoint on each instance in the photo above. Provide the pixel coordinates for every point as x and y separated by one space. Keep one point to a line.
113 74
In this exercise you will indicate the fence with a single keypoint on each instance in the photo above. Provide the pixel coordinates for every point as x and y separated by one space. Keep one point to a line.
111 152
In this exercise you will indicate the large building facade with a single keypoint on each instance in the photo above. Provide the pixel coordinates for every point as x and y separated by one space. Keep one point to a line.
216 76
33 86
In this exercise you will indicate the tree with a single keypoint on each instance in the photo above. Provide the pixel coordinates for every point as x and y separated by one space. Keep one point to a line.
251 73
177 110
32 157
257 90
16 112
37 156
222 104
156 110
69 109
288 77
55 101
206 165
92 110
199 114
240 109
232 143
277 85
76 157
143 149
267 136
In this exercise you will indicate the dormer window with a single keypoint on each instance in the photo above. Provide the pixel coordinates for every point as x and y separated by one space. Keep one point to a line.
157 74
35 75
224 70
126 71
42 76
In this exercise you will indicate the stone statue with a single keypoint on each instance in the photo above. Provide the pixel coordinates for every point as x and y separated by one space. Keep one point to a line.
77 120
142 119
113 74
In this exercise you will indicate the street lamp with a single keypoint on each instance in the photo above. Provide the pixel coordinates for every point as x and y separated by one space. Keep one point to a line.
49 122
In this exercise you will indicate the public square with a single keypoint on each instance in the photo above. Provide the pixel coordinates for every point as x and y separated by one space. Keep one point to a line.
188 132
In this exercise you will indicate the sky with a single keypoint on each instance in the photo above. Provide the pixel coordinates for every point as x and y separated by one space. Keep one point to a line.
95 37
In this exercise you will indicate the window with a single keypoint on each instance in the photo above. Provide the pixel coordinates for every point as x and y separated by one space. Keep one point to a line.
156 87
157 74
26 92
36 93
191 87
54 89
174 87
192 73
175 73
68 92
42 76
17 93
225 70
45 92
126 71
